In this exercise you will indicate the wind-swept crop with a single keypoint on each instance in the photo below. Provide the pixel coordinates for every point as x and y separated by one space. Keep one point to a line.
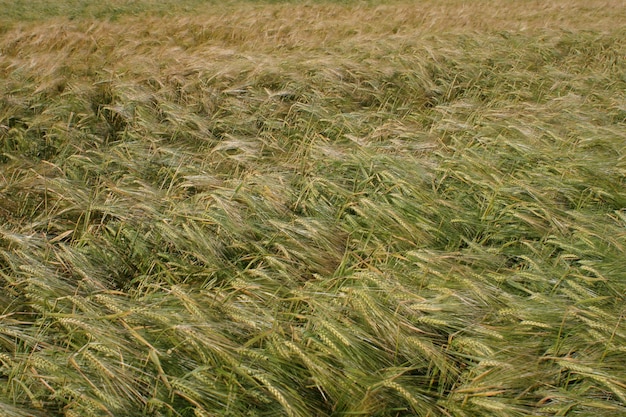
313 210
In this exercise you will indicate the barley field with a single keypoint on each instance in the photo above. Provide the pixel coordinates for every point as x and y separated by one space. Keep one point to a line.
312 208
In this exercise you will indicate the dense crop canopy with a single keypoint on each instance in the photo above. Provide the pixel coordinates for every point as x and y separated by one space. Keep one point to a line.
313 209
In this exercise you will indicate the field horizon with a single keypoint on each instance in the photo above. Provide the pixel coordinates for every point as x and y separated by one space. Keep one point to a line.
312 208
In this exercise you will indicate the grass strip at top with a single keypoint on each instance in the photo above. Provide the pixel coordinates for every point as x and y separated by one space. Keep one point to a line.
313 213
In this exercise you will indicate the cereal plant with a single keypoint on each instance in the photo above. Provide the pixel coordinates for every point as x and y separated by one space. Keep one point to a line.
312 208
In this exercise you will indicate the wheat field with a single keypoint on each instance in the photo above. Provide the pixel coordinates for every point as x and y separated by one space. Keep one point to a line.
312 208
